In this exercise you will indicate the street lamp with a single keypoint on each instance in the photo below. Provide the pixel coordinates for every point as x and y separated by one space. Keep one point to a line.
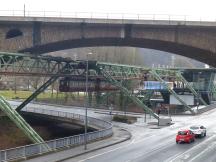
86 106
75 56
198 83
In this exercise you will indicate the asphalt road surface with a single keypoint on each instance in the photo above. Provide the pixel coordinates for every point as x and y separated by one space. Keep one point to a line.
156 145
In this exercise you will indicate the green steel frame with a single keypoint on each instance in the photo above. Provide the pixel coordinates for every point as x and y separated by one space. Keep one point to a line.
181 78
43 87
37 92
157 76
55 67
147 95
211 87
30 65
116 83
20 122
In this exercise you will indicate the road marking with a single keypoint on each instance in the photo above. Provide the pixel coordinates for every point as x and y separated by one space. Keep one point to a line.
209 148
91 157
164 145
139 140
185 154
132 142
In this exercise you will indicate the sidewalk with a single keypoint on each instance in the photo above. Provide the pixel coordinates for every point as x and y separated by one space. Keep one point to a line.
119 135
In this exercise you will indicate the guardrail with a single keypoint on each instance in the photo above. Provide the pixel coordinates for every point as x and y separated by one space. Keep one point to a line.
100 15
38 149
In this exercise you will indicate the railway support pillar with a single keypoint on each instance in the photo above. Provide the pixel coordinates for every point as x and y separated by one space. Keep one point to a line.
37 92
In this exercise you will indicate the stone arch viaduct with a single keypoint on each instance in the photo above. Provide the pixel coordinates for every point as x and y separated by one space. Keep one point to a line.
38 35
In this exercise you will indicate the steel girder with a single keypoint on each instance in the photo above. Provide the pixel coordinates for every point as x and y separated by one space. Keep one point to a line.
122 71
20 122
212 88
64 70
37 92
30 65
181 78
116 83
158 77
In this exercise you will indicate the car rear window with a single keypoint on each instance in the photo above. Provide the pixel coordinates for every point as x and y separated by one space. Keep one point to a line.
194 127
182 133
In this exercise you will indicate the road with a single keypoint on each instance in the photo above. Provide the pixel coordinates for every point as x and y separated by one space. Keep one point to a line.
154 145
158 145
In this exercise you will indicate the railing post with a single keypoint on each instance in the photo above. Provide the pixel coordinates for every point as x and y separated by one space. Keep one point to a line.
68 143
25 152
55 145
122 16
40 148
79 139
5 156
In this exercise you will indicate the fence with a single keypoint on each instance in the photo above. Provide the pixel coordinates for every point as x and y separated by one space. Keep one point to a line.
38 149
100 15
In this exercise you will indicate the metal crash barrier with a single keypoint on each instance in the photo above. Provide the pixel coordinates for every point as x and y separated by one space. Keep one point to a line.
38 149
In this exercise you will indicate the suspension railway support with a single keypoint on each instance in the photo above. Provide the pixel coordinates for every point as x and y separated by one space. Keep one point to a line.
43 87
16 64
113 81
212 88
156 75
55 67
30 65
181 78
20 122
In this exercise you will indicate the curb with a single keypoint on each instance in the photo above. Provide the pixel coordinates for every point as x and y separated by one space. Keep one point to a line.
95 149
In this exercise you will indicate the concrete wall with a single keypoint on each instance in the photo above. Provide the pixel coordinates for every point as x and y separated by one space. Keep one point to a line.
41 35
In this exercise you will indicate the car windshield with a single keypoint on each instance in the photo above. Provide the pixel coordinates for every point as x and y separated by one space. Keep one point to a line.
182 133
194 127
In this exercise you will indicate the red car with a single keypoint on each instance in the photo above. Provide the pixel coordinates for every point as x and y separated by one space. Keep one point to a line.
185 136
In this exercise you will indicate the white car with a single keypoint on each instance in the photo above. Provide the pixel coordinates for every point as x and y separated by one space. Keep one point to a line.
198 130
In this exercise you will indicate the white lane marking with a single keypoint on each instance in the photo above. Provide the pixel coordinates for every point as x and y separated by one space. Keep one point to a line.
132 142
140 140
185 154
162 146
91 157
211 147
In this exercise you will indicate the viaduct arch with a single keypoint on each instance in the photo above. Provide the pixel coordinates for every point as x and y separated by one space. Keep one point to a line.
196 40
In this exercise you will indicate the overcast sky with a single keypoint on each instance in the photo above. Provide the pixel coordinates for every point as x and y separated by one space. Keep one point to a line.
182 7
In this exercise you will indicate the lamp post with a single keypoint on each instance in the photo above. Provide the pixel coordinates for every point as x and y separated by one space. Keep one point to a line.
86 106
24 10
198 99
75 56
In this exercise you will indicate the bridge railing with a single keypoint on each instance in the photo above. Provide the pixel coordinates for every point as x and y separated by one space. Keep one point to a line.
100 15
38 149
